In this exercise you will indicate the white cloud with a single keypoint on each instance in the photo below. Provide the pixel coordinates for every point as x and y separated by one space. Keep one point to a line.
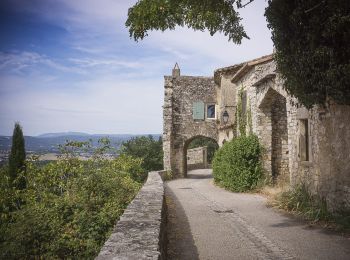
107 105
18 62
216 49
89 62
118 86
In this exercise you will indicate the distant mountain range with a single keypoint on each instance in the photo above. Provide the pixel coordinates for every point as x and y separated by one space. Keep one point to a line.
48 143
62 134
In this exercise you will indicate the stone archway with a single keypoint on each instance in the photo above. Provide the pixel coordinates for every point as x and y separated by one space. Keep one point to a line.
185 115
273 132
185 150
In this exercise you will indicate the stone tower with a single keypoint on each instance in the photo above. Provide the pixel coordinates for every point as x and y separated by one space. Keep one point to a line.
180 126
176 71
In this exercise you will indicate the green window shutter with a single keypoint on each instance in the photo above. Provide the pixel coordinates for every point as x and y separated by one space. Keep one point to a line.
198 110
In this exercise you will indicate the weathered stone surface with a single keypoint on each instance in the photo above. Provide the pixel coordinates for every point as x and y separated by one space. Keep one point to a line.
275 119
197 158
180 94
139 234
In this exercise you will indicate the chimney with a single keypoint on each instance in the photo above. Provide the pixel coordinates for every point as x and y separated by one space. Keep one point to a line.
176 71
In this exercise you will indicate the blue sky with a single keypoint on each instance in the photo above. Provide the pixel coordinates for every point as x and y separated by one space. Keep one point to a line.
69 65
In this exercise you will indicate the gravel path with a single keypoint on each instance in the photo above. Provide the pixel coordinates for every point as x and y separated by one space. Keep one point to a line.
206 222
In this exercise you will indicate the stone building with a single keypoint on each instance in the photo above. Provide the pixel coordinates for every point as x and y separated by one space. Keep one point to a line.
310 147
189 111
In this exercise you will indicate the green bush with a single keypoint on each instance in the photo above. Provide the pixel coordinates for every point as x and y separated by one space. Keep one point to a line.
237 166
68 207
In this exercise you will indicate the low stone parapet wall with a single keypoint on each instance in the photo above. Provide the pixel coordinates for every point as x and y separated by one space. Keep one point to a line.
140 232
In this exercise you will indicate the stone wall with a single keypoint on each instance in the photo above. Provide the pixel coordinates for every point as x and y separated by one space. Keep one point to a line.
327 173
279 134
226 102
197 158
267 105
179 126
140 231
276 120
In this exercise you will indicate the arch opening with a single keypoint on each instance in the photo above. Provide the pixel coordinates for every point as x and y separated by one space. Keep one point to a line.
274 134
198 153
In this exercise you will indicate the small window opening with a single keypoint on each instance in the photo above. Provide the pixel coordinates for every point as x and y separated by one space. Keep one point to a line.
304 140
211 111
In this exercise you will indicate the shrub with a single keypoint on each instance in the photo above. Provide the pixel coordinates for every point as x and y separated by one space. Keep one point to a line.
69 207
237 166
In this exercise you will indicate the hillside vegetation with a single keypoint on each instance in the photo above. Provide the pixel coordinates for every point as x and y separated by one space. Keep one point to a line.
68 207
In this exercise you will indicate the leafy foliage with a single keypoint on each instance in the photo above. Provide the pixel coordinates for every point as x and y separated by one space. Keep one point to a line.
147 149
211 145
312 40
17 158
69 206
237 165
213 15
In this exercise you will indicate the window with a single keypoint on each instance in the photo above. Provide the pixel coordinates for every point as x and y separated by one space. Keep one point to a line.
304 140
211 111
198 110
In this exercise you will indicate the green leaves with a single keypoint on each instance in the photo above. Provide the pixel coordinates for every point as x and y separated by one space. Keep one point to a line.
68 207
147 149
312 40
237 165
17 158
213 15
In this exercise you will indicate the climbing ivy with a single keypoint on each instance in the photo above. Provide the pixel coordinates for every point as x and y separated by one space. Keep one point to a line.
249 119
240 118
312 41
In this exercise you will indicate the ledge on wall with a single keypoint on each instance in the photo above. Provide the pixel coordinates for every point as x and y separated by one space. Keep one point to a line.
140 232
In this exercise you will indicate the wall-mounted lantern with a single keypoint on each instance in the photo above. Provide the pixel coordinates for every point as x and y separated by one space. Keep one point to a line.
225 117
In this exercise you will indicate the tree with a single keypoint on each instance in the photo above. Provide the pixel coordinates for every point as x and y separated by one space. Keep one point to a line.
146 148
17 158
312 40
311 37
213 15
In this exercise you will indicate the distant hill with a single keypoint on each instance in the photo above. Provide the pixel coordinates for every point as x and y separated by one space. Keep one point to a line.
62 134
48 143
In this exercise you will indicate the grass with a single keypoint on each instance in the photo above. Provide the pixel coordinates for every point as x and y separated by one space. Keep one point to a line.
300 202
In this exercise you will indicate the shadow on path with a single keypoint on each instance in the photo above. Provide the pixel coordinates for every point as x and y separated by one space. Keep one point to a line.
180 241
198 174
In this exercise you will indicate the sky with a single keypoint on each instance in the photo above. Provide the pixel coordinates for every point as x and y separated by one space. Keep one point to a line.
70 65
